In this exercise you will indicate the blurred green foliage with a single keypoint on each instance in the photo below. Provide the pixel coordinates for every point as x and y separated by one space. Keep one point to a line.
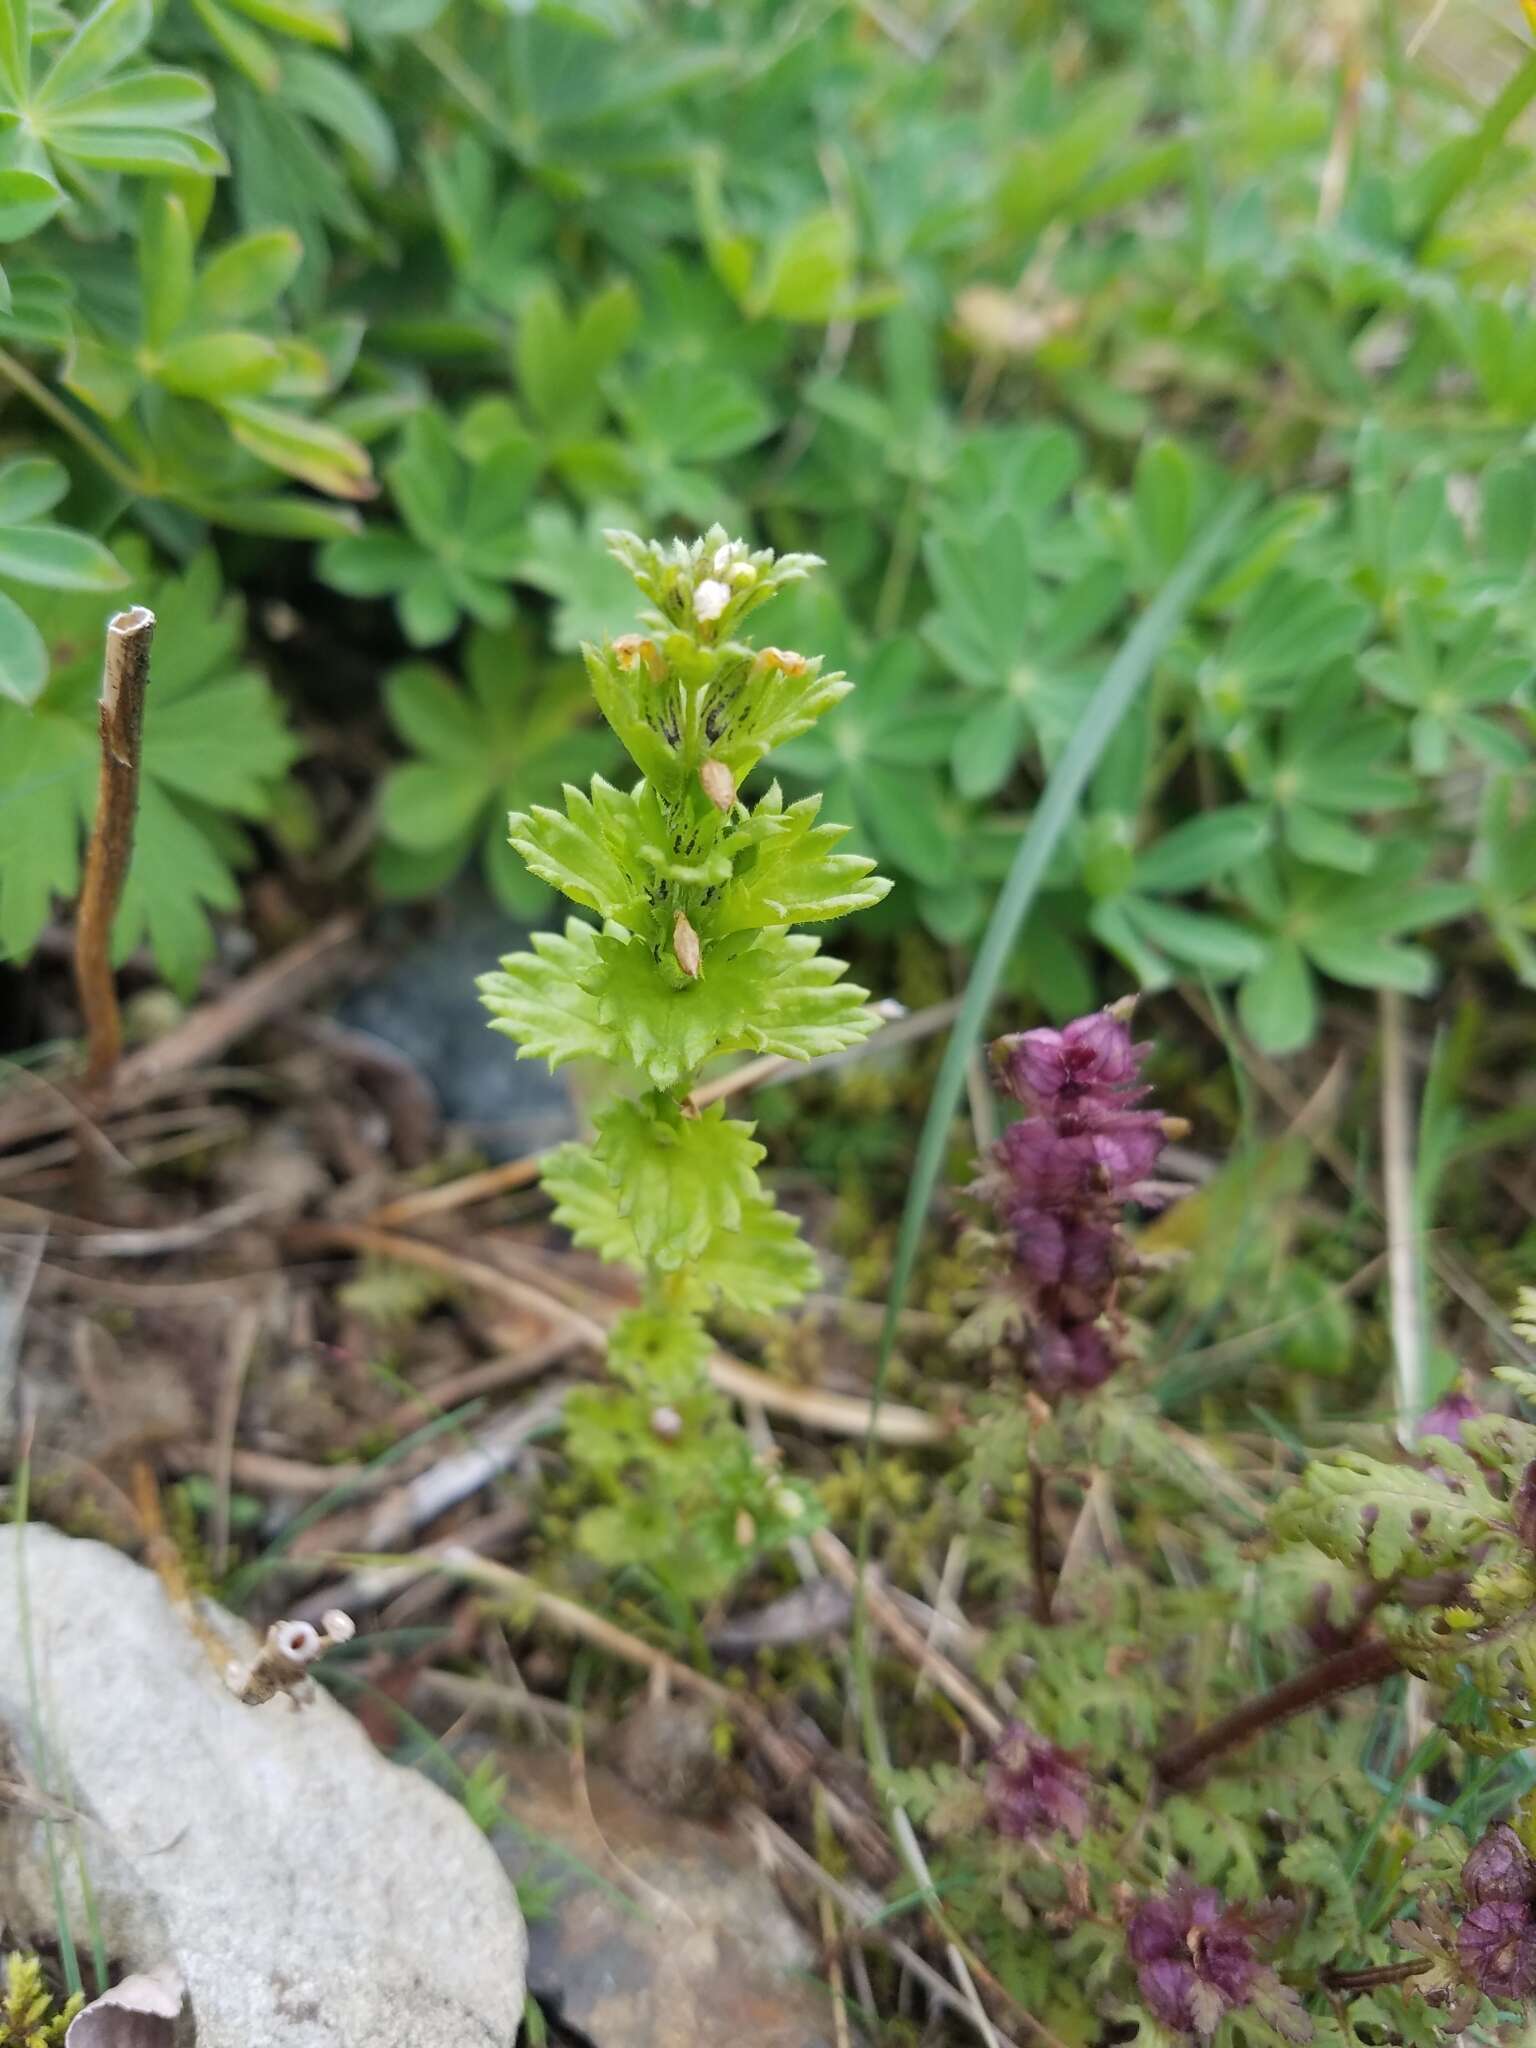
984 304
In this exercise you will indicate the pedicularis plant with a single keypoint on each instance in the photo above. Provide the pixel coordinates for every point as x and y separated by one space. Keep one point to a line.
697 891
1198 1828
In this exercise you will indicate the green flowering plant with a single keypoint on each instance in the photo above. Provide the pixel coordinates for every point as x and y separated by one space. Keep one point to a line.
697 892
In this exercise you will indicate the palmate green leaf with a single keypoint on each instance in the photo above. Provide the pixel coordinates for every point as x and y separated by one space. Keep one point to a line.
1391 1520
542 998
23 654
772 992
679 1180
561 356
758 1265
215 748
479 753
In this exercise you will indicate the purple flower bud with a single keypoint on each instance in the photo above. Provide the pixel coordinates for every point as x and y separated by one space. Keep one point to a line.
1498 1870
1497 1945
1041 1245
1093 1358
1447 1416
1194 1958
1035 1789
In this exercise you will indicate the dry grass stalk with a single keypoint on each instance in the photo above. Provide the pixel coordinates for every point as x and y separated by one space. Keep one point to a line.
125 680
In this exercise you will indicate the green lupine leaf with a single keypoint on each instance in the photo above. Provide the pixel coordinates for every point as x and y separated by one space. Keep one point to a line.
58 557
105 39
215 748
23 656
217 366
246 276
30 485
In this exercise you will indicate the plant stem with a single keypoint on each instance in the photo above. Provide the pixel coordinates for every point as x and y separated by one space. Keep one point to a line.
100 450
1367 1980
1361 1664
125 679
1039 1569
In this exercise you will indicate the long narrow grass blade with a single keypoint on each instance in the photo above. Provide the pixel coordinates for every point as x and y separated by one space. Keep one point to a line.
1125 677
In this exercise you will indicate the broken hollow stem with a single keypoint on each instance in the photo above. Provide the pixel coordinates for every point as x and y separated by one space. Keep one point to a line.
125 680
1361 1664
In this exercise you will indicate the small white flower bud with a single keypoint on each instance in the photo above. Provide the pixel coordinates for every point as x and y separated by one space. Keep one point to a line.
722 560
710 599
336 1626
667 1424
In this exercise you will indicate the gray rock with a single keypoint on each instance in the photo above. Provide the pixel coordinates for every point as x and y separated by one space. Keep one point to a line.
311 1893
427 1007
654 1931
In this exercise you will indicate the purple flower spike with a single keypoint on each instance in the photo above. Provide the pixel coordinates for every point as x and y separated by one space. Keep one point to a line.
1497 1946
1035 1789
1059 1179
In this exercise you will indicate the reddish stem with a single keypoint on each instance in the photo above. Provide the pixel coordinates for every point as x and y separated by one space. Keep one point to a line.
1360 1664
1367 1980
1040 1571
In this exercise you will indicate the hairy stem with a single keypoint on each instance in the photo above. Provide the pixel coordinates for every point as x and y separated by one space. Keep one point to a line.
125 679
1039 1568
1367 1980
1360 1664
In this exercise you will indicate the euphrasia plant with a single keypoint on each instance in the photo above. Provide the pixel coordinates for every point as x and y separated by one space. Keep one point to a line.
696 891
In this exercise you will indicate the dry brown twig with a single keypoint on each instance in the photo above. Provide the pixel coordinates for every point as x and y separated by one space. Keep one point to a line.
124 682
792 1760
837 1414
911 1641
277 985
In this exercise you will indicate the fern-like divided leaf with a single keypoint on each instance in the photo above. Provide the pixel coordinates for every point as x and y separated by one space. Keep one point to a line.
1392 1520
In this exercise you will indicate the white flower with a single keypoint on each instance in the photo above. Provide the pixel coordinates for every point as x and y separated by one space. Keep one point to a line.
722 560
710 599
